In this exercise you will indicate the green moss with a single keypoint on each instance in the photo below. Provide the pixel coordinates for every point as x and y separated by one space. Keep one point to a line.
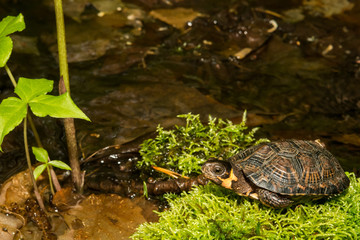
186 148
212 212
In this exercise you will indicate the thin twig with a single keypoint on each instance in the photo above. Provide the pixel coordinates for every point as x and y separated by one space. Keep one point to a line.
116 146
272 13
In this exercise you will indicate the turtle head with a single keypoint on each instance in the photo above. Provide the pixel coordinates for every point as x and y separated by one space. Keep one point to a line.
220 172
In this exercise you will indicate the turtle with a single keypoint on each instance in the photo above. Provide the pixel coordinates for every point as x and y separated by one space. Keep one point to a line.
281 173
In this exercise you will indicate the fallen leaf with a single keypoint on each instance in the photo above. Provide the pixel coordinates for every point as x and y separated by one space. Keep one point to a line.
327 8
10 226
66 198
16 189
351 138
176 17
107 6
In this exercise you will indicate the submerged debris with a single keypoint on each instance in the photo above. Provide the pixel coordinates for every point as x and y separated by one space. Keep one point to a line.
31 211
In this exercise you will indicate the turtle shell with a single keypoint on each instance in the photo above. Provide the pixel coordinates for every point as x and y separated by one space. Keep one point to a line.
292 167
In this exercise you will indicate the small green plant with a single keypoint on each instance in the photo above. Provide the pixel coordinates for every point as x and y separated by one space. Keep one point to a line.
42 156
212 212
185 148
32 94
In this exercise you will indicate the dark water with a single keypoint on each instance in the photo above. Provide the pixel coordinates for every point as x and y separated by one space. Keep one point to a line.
131 71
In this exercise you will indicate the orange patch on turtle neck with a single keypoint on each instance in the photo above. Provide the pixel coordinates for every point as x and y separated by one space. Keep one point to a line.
227 182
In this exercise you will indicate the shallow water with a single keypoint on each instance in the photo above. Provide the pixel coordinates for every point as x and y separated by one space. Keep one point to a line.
131 71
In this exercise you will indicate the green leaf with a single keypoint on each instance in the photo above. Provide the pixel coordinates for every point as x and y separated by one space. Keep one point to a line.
5 50
7 26
40 154
38 170
56 106
28 89
12 112
11 24
59 164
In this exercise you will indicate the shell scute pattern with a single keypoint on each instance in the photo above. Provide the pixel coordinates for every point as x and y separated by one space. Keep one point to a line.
292 167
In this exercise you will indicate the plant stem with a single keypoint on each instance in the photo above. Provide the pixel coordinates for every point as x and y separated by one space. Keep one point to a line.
36 190
70 132
10 75
35 132
60 28
73 153
64 80
54 179
50 179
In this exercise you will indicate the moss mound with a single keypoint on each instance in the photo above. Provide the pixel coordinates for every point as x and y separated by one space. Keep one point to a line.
211 212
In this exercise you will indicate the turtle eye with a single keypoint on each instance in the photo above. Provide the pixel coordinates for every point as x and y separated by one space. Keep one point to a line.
218 169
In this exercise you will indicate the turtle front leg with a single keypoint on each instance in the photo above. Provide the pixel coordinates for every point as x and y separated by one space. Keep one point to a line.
272 199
